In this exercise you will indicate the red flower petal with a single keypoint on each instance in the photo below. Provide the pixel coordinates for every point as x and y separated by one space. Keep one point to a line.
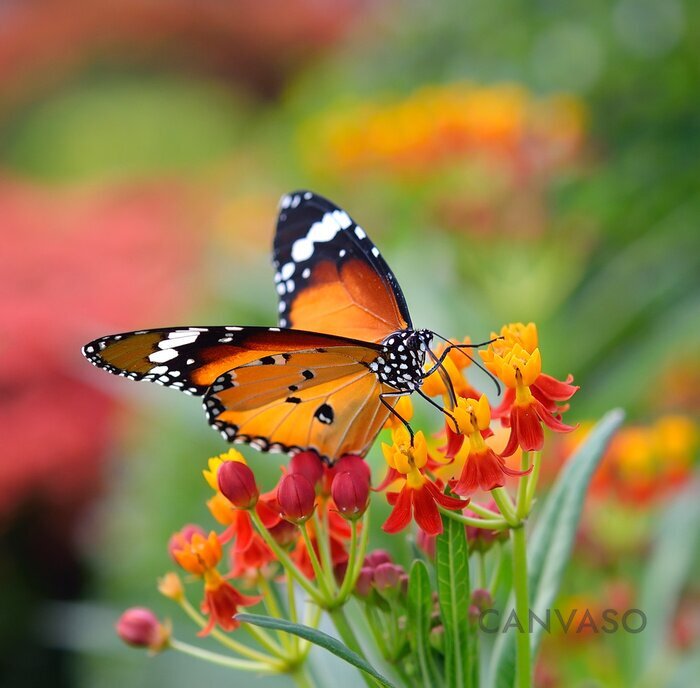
489 467
400 515
556 390
391 475
550 421
527 426
502 411
455 441
445 500
425 510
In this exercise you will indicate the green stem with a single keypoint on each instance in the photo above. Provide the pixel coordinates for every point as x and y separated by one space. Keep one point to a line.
293 616
482 570
315 564
348 636
521 499
487 524
522 606
216 658
532 481
232 644
272 608
349 580
505 506
284 559
302 678
481 510
322 535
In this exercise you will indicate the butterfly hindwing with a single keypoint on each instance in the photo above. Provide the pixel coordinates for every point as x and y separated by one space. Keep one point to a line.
329 403
192 358
329 275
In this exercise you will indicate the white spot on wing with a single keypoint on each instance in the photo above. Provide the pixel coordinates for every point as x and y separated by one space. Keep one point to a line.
162 356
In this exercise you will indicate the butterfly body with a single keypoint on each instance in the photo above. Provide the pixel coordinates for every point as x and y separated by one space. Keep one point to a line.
327 378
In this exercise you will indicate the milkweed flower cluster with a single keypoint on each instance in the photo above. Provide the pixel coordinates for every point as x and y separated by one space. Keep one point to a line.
309 534
438 125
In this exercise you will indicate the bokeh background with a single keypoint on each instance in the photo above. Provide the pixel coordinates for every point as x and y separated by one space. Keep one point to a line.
513 160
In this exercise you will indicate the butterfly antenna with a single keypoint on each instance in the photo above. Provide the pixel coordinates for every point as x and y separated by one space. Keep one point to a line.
461 347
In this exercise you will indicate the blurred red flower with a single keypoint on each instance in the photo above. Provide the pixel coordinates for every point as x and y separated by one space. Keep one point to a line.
72 266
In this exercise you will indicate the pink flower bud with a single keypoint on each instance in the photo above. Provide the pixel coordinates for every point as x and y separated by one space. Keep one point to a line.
296 497
182 538
354 464
308 464
237 484
363 585
140 627
350 492
376 557
387 577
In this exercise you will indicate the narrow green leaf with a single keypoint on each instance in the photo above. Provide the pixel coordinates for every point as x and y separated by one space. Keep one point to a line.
669 568
420 607
452 564
551 542
313 635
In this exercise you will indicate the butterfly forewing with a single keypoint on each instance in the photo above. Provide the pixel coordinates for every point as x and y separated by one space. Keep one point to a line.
330 277
192 358
328 403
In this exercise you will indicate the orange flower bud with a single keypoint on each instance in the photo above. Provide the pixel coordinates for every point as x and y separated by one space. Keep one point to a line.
170 586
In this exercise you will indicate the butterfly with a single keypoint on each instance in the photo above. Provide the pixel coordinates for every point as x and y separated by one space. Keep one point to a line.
328 377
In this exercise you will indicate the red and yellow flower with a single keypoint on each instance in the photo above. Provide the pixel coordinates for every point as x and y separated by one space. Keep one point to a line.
482 467
532 397
418 497
199 555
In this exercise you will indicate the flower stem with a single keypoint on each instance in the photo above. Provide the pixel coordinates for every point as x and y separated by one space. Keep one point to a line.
522 606
351 571
284 559
487 524
505 506
348 636
216 658
273 608
481 510
532 481
322 536
243 650
521 499
315 563
302 678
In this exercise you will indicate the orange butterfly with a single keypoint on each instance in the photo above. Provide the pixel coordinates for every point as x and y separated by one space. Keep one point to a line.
328 377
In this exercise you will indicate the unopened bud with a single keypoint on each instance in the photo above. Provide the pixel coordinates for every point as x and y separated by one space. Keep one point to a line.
139 627
350 492
354 464
376 557
296 497
387 577
308 464
237 484
363 585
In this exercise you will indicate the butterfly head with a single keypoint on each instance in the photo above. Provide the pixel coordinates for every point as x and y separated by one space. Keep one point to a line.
401 363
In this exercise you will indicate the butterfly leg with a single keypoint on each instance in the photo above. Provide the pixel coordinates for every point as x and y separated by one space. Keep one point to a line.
388 395
439 408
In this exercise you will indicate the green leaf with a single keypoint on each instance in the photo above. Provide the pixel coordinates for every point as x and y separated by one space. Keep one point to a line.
313 635
669 568
551 542
452 563
420 607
